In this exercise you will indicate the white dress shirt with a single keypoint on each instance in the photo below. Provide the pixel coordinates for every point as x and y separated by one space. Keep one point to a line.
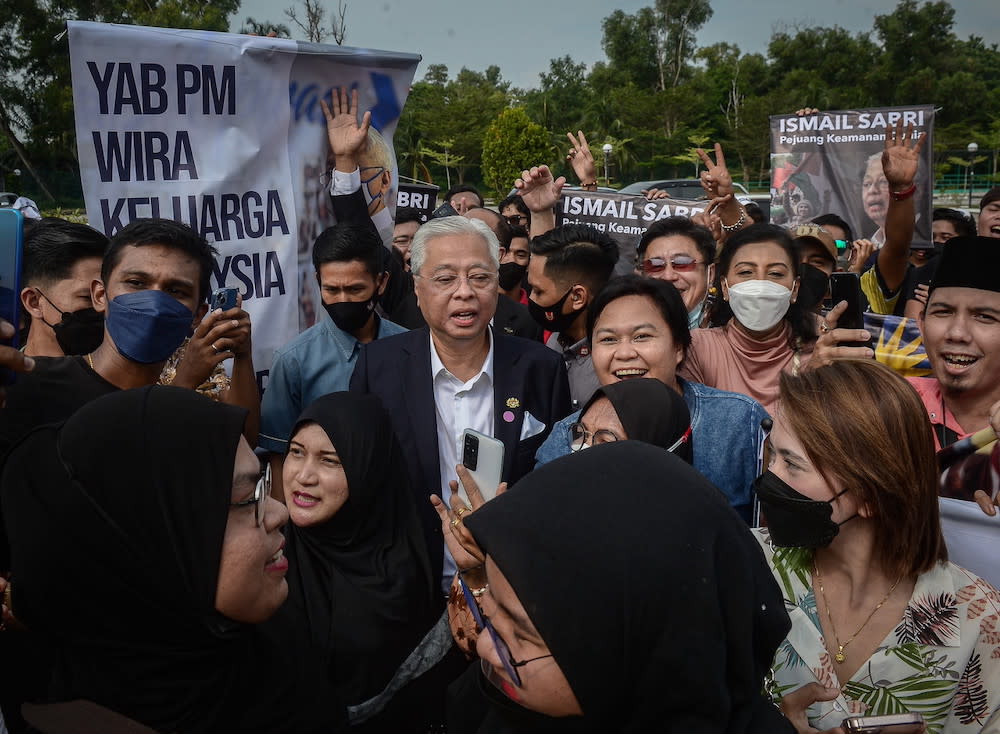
348 183
459 405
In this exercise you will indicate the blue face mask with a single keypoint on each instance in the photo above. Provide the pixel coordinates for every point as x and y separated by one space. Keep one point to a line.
694 317
148 326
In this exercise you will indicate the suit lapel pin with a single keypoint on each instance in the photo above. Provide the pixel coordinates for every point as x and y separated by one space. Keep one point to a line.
513 403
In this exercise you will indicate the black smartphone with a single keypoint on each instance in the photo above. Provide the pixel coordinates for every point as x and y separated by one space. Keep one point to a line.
445 210
224 298
847 287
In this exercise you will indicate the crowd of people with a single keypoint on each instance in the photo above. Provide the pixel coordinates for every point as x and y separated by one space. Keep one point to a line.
717 512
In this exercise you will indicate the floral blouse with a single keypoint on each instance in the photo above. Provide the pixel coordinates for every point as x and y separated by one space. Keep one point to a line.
942 660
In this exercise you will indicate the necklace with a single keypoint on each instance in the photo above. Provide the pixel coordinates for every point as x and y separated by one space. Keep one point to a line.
839 655
90 361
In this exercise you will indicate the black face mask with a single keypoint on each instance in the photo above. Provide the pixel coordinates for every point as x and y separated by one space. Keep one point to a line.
551 318
794 520
813 285
350 316
78 332
511 274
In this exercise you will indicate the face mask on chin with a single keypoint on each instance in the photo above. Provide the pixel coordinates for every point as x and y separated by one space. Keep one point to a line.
759 304
794 520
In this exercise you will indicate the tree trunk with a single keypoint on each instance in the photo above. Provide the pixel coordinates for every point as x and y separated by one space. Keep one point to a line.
21 152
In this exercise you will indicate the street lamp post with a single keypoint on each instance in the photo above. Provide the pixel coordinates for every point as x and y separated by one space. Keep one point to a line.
607 152
972 148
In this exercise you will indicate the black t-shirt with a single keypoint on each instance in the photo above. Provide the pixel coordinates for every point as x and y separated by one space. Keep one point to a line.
50 393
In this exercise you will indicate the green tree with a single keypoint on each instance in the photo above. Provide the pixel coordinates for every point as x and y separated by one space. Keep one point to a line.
256 27
512 143
36 100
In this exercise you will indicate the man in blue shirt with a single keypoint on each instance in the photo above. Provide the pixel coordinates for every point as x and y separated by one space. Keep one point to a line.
350 266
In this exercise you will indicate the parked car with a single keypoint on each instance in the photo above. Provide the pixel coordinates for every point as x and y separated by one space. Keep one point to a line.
681 188
7 198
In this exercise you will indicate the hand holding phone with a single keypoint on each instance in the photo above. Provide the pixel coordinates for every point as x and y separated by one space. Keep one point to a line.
224 299
842 334
483 456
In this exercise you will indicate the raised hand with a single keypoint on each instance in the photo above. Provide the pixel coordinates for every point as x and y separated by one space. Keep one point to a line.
654 194
861 250
346 136
581 159
539 190
901 157
715 179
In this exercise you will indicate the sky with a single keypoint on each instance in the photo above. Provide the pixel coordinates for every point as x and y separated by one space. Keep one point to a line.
521 36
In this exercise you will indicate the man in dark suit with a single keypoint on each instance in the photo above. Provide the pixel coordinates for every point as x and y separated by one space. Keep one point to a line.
458 373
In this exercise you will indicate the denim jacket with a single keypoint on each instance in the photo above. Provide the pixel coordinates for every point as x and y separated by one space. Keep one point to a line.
725 433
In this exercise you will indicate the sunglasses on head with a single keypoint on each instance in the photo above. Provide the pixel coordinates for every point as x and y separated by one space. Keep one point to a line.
680 263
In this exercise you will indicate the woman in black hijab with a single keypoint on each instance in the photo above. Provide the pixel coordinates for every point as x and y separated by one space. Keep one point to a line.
676 636
145 552
644 409
360 572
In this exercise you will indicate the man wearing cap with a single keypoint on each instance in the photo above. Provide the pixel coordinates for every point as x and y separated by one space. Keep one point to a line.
961 331
989 213
817 261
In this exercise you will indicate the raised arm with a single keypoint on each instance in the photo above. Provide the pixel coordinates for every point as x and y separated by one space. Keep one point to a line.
718 184
540 193
900 162
582 161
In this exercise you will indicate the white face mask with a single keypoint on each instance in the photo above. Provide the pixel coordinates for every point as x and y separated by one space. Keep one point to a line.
759 304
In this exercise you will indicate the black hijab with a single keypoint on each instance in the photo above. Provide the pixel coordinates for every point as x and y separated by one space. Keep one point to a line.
678 634
117 525
363 579
650 412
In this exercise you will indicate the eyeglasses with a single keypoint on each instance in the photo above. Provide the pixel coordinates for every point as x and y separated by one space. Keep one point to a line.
680 263
580 437
260 494
449 282
510 664
516 219
326 177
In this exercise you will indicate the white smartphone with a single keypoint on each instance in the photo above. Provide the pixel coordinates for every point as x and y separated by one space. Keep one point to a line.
889 724
483 456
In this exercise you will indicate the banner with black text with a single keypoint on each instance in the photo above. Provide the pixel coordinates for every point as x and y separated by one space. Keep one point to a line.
224 132
624 218
831 163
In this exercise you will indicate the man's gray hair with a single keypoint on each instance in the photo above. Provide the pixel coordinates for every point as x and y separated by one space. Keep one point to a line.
445 226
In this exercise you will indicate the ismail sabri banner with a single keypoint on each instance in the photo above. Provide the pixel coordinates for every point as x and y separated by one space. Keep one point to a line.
624 218
830 162
224 132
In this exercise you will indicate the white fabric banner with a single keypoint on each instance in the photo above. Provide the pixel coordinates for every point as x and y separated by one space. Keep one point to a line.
972 537
224 132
